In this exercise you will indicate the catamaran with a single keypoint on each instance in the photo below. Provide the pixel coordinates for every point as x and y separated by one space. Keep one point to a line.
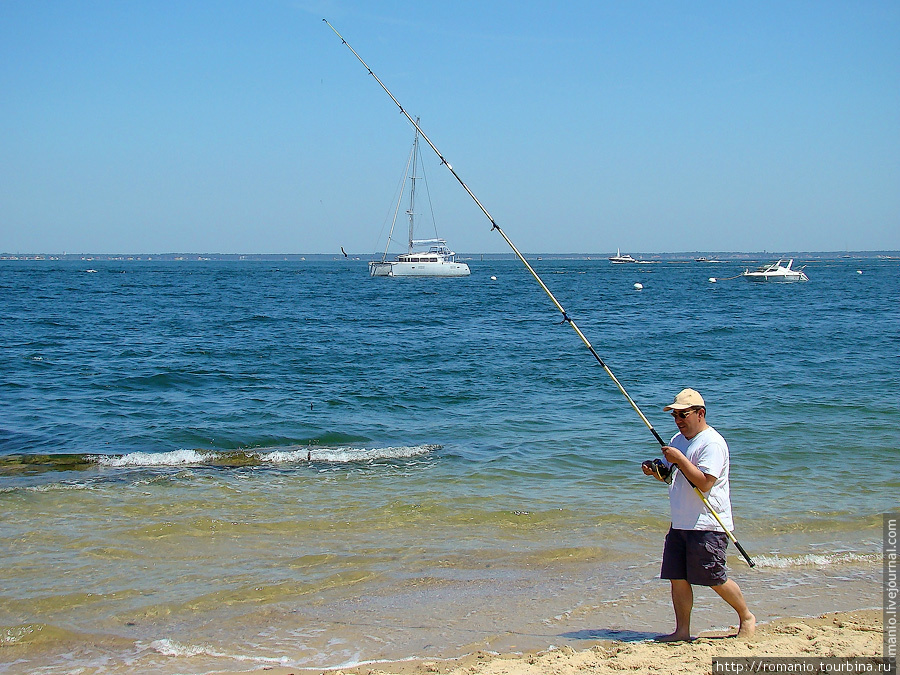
424 257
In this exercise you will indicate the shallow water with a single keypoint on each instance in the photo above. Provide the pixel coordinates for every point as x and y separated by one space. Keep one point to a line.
210 465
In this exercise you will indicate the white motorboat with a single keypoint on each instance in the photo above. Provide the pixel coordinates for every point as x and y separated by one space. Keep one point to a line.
619 258
780 270
433 257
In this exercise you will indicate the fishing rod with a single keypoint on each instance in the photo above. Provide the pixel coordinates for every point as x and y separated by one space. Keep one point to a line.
494 226
566 318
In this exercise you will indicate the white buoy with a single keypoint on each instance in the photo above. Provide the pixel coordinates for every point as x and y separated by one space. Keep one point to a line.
493 278
712 280
859 271
638 287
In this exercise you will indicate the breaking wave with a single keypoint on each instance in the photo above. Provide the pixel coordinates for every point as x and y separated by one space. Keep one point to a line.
775 561
291 455
168 647
30 464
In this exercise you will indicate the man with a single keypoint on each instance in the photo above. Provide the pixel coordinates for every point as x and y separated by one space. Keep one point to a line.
695 546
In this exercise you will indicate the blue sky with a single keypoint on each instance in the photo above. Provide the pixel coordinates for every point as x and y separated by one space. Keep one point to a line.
247 127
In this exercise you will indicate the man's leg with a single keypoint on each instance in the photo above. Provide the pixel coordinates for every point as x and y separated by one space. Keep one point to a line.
683 602
730 592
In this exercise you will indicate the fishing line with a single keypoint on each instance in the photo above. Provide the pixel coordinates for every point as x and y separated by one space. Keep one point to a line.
566 318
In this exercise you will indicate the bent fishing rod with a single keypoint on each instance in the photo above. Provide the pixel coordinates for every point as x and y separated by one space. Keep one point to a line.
566 318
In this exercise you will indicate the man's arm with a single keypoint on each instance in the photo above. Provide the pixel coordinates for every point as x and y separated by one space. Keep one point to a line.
704 481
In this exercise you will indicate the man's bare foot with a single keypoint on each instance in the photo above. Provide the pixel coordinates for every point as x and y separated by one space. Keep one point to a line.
673 637
747 628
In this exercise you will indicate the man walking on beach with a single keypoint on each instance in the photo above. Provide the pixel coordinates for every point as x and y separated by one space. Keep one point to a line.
695 545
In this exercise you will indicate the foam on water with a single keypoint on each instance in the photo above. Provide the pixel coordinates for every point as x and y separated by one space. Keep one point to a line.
168 647
174 458
293 455
348 455
45 487
815 559
32 633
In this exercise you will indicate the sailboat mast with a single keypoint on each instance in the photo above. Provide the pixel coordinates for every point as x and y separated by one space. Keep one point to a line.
412 190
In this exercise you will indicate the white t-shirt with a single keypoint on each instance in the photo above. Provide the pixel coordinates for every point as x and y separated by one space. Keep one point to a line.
708 451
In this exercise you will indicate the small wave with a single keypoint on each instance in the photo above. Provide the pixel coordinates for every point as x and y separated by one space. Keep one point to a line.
349 455
776 561
291 455
49 487
174 458
33 633
168 647
31 464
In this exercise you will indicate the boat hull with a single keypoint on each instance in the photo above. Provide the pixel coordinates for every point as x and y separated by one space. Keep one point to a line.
418 269
775 278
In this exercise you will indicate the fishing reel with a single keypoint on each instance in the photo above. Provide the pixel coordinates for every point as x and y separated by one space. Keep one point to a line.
660 470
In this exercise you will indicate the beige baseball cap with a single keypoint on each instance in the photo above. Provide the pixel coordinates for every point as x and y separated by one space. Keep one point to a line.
687 398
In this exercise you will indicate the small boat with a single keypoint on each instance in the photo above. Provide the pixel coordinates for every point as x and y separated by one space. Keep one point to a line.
780 270
707 260
619 258
434 258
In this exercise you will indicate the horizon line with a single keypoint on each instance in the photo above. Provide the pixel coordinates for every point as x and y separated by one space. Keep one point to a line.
600 254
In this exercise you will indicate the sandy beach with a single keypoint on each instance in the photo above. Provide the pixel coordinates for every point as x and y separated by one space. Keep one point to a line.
839 634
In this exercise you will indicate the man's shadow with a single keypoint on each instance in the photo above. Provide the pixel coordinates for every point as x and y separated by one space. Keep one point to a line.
610 634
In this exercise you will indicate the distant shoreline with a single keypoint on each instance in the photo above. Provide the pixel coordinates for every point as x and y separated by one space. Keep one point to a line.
685 256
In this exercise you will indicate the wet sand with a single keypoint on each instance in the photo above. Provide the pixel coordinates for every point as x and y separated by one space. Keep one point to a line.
839 634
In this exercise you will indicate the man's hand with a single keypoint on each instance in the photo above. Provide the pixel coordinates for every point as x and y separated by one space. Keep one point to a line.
657 469
697 478
674 456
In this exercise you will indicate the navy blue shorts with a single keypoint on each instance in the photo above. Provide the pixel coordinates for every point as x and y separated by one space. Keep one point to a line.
695 555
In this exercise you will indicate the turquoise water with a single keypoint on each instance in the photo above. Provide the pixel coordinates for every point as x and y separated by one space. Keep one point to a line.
209 465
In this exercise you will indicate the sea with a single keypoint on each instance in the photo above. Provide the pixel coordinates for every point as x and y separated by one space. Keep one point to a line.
230 465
